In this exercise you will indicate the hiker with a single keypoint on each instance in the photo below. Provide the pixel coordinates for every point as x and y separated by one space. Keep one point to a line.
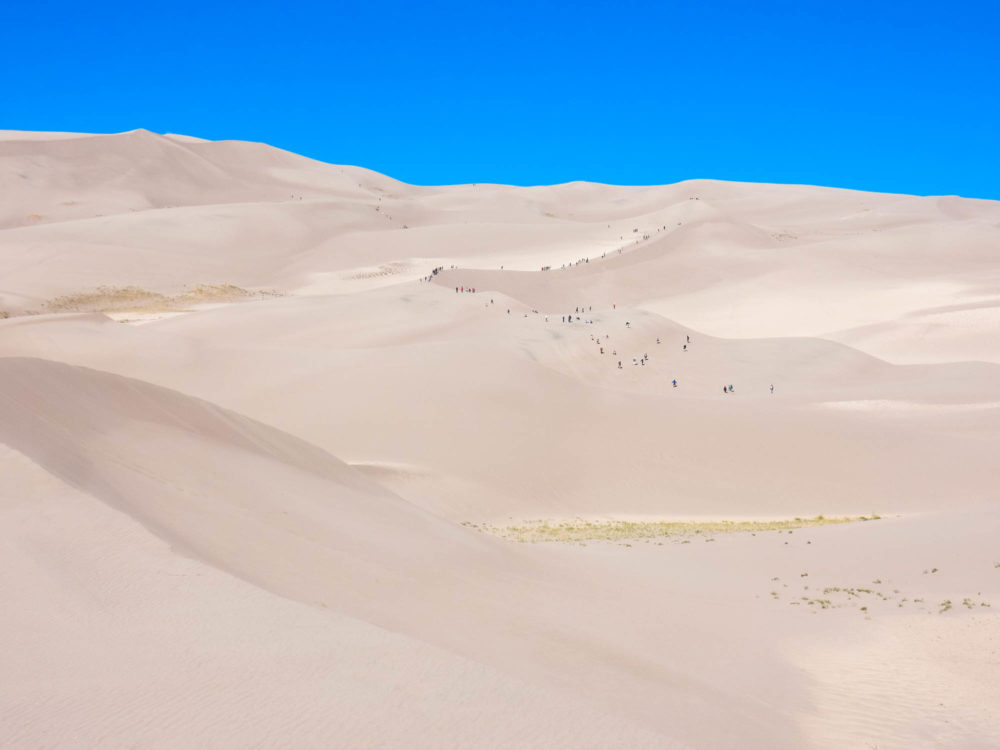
725 390
772 389
627 324
657 339
675 383
619 364
685 347
689 339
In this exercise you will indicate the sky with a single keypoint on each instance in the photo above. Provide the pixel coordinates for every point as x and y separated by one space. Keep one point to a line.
877 95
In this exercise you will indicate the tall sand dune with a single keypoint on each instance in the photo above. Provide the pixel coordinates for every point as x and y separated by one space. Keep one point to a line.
295 454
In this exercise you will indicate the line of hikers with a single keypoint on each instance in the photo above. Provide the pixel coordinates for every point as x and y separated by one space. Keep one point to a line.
636 361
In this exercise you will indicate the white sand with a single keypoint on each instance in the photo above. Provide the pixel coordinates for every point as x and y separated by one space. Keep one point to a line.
247 523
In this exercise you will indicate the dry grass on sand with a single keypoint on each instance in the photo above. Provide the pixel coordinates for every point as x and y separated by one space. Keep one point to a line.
579 530
135 299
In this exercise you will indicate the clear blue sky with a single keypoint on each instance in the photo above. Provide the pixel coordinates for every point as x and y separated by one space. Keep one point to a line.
875 95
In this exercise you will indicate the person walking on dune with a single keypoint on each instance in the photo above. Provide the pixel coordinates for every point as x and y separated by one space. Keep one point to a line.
772 389
675 382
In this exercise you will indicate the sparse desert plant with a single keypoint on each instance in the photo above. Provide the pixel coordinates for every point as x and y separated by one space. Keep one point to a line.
580 529
107 298
136 299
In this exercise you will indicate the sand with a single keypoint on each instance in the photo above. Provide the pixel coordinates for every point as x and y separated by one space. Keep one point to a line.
255 468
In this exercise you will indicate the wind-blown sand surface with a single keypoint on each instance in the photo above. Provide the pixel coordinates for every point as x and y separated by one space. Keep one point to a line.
258 474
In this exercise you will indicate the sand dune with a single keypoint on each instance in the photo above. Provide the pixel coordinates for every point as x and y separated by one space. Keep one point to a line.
267 514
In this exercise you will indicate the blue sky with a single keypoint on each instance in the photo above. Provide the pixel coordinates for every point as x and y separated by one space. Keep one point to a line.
889 96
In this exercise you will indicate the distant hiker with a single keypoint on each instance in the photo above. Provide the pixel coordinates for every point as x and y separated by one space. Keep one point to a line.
772 389
619 364
675 383
689 339
456 290
657 339
602 352
627 324
730 389
563 318
725 390
685 347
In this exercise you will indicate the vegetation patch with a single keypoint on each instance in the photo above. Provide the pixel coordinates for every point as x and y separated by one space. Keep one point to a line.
580 530
136 299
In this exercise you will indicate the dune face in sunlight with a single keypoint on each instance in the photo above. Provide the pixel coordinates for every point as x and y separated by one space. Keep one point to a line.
296 454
